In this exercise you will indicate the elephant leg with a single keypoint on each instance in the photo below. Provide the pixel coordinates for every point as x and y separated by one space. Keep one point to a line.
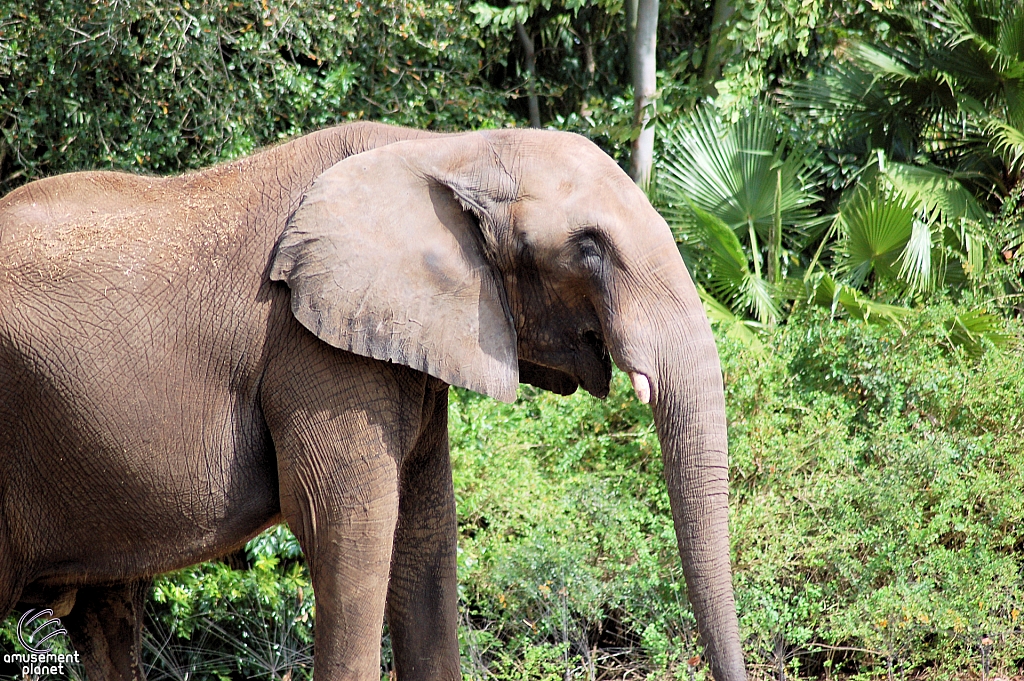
341 425
9 590
106 628
422 608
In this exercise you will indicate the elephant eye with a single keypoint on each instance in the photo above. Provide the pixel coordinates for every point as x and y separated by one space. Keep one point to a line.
589 251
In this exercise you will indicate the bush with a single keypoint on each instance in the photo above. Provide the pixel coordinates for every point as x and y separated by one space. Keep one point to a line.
877 512
876 479
566 540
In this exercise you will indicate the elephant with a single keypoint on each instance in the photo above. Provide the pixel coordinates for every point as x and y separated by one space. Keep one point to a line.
186 361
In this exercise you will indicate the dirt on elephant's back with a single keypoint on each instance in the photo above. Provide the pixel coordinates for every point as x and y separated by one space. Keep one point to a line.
121 224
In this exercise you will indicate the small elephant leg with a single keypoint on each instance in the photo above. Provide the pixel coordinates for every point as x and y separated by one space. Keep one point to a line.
422 607
106 628
9 591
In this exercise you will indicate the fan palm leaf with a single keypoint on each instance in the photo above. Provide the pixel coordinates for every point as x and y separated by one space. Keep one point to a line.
732 171
876 224
971 330
825 291
991 34
735 199
936 190
735 327
944 204
1008 142
906 223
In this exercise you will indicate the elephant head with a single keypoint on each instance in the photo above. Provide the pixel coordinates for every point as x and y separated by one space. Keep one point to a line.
490 258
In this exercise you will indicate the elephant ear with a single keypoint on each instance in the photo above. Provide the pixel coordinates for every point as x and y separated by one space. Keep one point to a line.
383 261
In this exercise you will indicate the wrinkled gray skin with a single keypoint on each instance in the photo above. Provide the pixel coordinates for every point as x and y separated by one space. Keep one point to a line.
171 381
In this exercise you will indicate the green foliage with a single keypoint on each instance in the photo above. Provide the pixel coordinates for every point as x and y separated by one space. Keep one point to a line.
952 71
911 180
165 86
771 38
566 540
214 622
877 226
740 200
876 507
160 86
822 290
876 482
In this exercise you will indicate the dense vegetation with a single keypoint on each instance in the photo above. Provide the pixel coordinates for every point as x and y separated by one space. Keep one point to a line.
845 181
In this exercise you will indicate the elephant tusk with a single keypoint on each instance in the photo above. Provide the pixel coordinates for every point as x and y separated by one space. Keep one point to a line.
641 385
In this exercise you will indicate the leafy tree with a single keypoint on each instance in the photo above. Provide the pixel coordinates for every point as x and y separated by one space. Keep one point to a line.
948 89
755 45
571 44
164 86
558 26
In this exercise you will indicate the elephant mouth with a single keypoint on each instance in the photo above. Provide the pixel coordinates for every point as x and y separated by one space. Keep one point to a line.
547 378
591 367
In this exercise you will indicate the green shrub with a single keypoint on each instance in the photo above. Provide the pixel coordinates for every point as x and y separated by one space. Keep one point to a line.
876 480
877 511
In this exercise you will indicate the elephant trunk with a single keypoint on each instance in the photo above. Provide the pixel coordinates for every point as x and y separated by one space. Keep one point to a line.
689 412
675 366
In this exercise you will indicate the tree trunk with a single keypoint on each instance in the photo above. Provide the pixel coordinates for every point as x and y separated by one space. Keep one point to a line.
631 32
717 45
531 73
644 67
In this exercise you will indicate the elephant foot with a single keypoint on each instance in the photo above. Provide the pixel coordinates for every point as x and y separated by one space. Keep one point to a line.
106 629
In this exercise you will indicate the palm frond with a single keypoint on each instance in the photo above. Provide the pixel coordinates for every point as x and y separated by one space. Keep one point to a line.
1008 142
943 203
841 88
732 171
736 198
825 291
697 161
730 278
971 331
758 295
866 110
992 31
916 259
737 328
936 190
882 61
876 224
1010 43
922 93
